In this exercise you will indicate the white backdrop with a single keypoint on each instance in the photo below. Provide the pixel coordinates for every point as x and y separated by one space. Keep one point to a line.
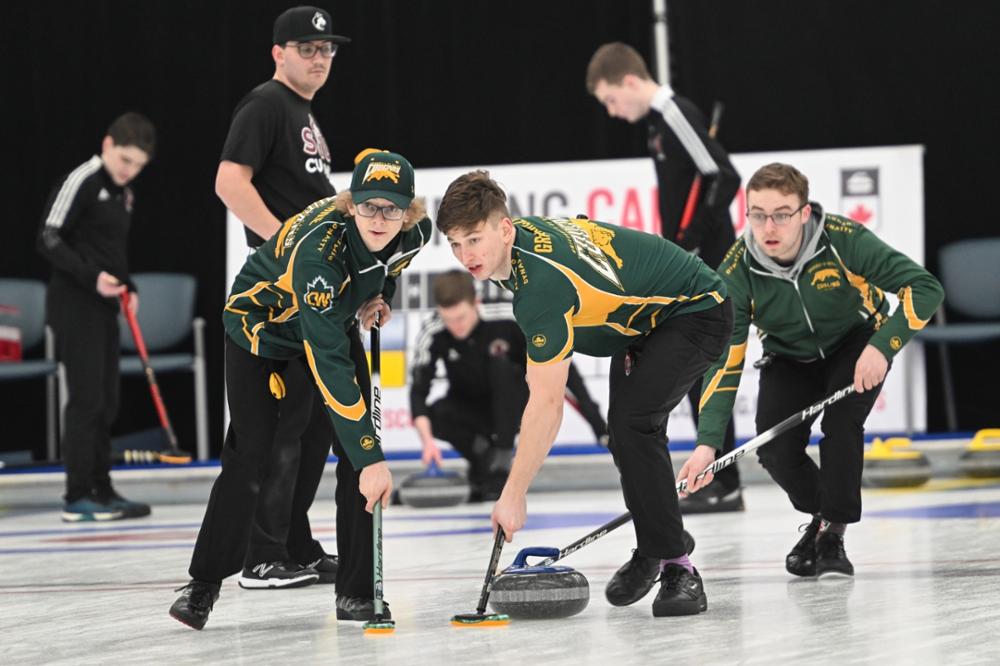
881 187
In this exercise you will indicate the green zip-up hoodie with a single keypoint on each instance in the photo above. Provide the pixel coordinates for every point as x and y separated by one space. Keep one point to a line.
300 292
805 311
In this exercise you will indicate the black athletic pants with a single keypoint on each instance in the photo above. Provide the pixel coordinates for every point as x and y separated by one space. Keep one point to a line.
832 489
88 345
281 529
222 541
475 424
663 366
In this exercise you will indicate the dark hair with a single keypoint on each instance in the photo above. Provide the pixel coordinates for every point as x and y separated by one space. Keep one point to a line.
454 287
134 129
469 200
781 177
611 62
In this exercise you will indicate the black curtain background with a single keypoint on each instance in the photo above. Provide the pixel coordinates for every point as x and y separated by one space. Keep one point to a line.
448 82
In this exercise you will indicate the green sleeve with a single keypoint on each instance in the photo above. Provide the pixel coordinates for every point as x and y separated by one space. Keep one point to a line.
327 349
721 381
545 315
869 259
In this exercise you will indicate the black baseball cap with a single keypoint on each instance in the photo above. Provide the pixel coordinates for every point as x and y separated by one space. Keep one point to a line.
305 24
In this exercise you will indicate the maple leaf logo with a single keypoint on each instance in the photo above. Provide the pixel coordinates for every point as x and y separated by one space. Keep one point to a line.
860 214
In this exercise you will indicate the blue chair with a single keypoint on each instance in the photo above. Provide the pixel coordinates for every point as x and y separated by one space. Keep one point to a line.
166 318
27 300
969 271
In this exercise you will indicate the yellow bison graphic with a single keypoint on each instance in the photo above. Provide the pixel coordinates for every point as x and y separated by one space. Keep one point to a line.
824 274
602 239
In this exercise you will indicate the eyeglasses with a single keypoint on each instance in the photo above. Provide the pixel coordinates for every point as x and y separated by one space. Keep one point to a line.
391 212
780 219
307 49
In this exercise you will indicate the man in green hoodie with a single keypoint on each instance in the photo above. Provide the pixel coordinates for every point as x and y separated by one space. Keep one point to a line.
813 283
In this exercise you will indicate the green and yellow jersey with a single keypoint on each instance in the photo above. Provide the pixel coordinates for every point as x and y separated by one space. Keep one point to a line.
299 293
589 286
806 310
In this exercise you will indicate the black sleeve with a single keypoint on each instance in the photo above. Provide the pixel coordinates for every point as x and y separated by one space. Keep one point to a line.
514 336
424 363
252 134
717 189
62 212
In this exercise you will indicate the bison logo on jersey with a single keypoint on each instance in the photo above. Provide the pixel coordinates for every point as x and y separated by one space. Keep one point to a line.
319 295
602 238
382 170
826 278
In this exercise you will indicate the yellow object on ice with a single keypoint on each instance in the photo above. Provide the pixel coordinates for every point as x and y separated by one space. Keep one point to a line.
894 448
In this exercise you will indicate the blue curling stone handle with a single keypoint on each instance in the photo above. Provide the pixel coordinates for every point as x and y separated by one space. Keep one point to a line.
434 471
520 564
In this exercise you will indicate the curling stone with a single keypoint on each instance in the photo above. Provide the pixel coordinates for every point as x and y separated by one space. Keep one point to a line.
434 487
982 457
892 464
538 592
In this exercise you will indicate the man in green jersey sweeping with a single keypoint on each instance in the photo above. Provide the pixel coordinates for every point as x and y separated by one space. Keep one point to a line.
661 315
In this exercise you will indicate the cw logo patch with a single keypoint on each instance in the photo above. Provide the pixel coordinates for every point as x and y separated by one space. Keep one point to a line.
319 295
382 170
367 442
826 278
538 340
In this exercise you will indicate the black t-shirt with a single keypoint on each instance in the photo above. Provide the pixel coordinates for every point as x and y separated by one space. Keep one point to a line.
274 133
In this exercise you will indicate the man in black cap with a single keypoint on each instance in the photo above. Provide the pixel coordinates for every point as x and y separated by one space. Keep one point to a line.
275 162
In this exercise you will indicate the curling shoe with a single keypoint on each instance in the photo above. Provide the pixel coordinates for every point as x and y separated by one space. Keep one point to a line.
801 560
681 593
194 605
633 580
360 609
326 566
831 558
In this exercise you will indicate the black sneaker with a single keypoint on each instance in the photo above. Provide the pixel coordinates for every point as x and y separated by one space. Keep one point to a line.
360 609
633 580
801 560
128 508
88 509
272 575
712 500
194 605
831 558
681 593
326 567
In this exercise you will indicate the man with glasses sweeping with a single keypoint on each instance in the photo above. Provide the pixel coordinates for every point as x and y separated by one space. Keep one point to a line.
814 285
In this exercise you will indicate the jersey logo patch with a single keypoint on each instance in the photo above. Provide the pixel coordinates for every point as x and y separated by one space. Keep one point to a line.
538 340
594 252
380 170
499 347
895 343
367 443
826 278
319 295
